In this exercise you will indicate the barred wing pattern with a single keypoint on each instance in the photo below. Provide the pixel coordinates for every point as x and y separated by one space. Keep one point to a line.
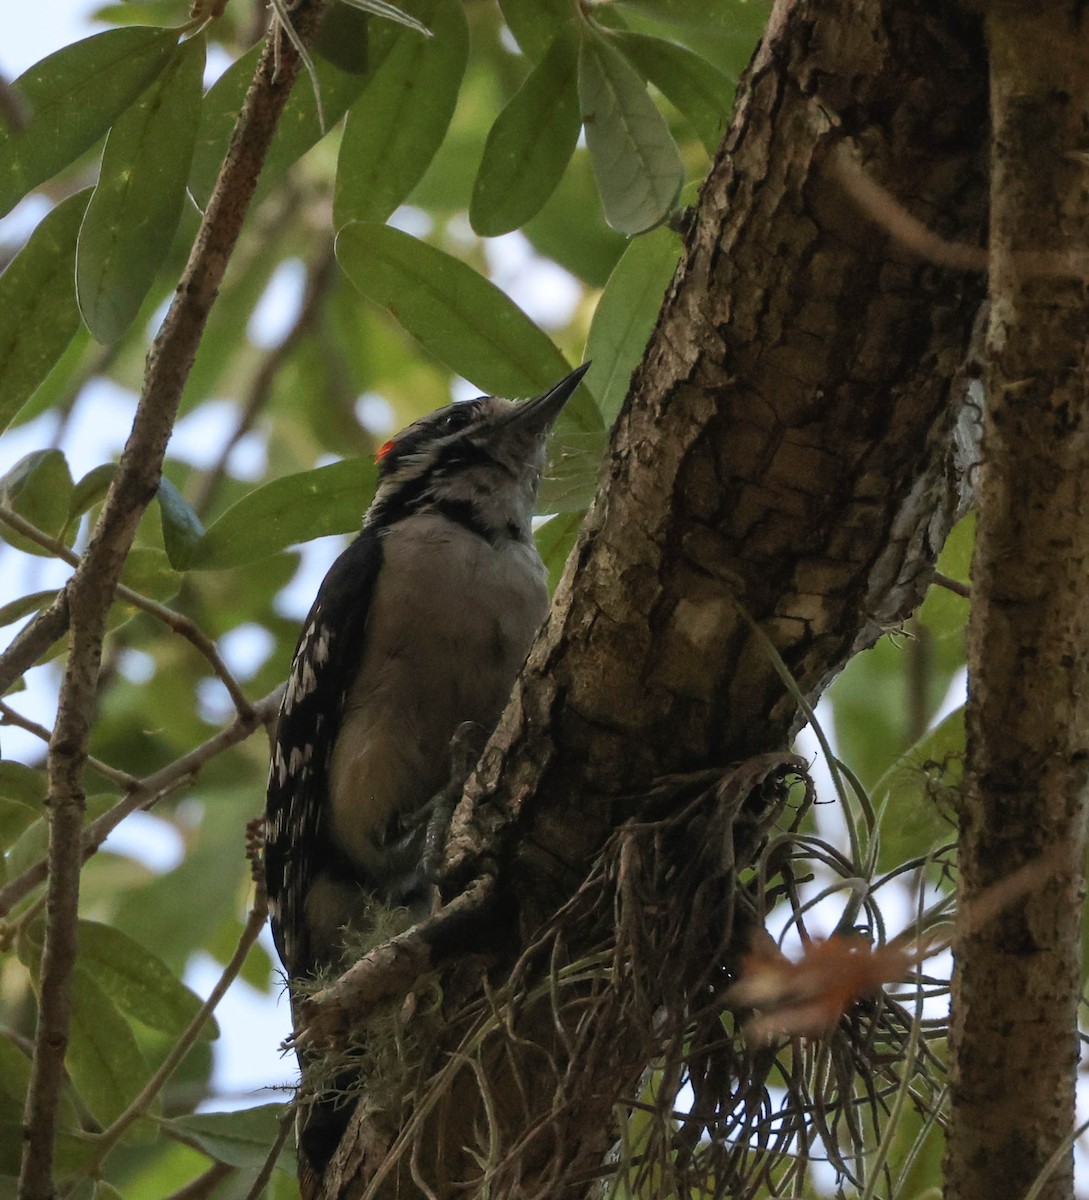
328 654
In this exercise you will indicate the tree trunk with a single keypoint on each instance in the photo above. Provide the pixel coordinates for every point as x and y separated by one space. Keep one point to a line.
1017 979
784 457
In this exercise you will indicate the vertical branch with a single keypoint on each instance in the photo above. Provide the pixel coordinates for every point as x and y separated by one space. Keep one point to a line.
1016 984
91 588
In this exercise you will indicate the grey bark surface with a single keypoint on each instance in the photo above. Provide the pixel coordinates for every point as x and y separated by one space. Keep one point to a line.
786 449
1017 980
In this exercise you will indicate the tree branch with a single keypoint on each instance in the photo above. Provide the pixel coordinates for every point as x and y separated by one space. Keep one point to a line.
8 716
109 1138
33 640
173 620
148 792
91 589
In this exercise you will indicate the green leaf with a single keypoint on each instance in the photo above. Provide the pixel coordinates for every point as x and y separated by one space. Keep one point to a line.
73 97
38 313
134 212
240 1139
457 315
175 913
530 144
920 789
636 162
296 508
554 541
91 489
103 1059
574 461
147 570
15 818
182 528
137 981
534 23
297 130
398 123
38 488
571 228
345 39
23 783
626 315
700 90
389 12
15 610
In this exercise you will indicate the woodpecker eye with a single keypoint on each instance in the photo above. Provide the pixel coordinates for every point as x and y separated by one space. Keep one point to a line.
458 417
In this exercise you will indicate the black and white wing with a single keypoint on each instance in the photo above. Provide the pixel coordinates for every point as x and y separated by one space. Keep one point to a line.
327 657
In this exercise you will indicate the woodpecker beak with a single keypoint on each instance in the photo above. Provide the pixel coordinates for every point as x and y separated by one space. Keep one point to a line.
537 415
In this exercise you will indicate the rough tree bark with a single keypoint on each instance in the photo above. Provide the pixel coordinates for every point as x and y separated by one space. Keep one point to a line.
1017 981
785 449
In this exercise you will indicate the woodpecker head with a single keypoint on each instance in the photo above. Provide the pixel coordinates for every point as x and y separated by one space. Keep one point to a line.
479 461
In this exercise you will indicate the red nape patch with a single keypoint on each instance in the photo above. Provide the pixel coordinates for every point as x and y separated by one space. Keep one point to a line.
383 450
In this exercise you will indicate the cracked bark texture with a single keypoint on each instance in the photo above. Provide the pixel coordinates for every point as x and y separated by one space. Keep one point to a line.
786 446
1018 977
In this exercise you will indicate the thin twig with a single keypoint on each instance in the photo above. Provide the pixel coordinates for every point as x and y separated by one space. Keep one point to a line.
205 1184
90 591
175 621
111 1136
953 585
148 793
885 210
8 716
269 1165
33 640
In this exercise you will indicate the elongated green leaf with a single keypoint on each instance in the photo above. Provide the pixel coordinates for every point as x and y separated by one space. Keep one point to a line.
240 1139
344 39
23 783
399 121
913 788
38 488
137 981
637 164
147 569
574 460
38 313
554 541
297 130
182 528
135 208
571 227
700 90
73 97
90 489
390 12
15 818
179 911
15 610
457 315
103 1058
530 144
625 316
293 509
534 22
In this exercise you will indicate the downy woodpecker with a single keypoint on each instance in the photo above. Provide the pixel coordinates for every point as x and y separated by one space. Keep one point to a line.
420 625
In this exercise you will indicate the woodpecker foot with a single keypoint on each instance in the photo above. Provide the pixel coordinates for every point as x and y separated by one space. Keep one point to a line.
465 748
